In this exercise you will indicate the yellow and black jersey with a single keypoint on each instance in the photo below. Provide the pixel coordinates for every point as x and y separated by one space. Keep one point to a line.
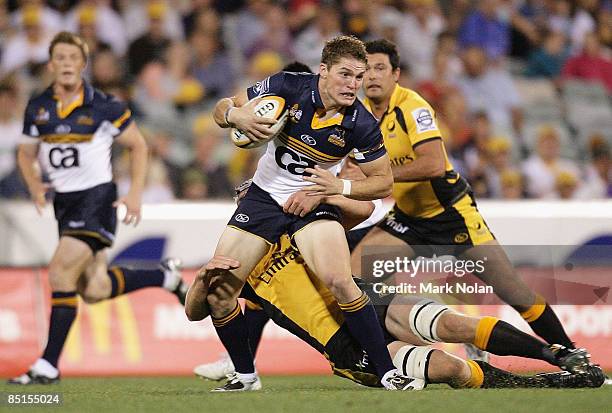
298 301
409 122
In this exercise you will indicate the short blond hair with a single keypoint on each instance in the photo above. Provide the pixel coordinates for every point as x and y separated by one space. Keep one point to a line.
69 38
343 46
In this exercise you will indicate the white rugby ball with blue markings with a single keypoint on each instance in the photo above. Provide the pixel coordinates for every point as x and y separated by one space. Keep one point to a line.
268 107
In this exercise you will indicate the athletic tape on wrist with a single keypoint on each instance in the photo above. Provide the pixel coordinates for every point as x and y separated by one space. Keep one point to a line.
346 187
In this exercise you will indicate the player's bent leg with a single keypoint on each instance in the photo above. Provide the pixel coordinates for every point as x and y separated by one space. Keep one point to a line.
227 317
426 322
437 366
100 282
246 248
500 274
324 248
70 259
94 284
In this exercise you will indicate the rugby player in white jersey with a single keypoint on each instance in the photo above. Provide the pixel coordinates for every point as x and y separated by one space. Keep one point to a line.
68 131
327 122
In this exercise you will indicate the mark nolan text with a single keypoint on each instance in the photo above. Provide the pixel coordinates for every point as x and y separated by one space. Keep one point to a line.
429 288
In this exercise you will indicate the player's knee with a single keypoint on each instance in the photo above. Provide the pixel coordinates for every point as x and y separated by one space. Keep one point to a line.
94 292
61 281
340 285
413 361
219 302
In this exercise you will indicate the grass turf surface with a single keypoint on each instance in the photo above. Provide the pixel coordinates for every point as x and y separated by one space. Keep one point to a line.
296 394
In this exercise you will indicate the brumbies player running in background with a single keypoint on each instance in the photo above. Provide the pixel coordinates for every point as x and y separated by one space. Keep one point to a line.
70 128
327 122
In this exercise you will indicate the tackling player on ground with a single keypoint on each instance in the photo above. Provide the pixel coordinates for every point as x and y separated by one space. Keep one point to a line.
410 324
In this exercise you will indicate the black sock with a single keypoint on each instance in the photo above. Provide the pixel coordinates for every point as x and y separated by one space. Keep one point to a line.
125 280
363 324
233 332
507 340
256 320
544 322
63 313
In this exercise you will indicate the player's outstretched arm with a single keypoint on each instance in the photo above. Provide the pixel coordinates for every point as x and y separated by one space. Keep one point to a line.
238 112
27 159
135 142
377 183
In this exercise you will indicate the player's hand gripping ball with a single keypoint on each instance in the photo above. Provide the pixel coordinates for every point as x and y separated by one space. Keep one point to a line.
272 107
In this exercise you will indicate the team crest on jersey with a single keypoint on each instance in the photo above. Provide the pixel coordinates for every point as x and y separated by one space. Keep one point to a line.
42 116
62 129
295 114
336 140
85 120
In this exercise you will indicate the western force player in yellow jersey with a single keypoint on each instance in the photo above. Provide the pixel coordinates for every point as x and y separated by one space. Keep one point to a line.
69 129
327 123
435 211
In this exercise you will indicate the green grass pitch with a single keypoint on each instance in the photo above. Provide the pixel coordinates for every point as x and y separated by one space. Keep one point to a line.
296 394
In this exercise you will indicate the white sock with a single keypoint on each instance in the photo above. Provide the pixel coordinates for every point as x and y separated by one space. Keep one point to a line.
42 366
247 377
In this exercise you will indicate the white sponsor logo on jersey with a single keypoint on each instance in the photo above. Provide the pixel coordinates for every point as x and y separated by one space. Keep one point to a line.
424 120
76 224
308 140
242 218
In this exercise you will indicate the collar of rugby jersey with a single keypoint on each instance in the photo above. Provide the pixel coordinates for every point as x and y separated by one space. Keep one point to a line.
350 113
85 98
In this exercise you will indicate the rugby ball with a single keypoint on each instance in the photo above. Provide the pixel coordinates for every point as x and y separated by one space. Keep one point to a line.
268 107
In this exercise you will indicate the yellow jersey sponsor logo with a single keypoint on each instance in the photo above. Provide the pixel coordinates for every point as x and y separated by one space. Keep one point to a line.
401 160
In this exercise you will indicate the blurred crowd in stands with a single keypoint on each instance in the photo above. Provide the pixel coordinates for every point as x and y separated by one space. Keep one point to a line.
522 88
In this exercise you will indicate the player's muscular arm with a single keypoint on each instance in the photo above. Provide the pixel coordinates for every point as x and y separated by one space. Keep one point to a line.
429 163
301 204
28 166
134 141
238 111
377 183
